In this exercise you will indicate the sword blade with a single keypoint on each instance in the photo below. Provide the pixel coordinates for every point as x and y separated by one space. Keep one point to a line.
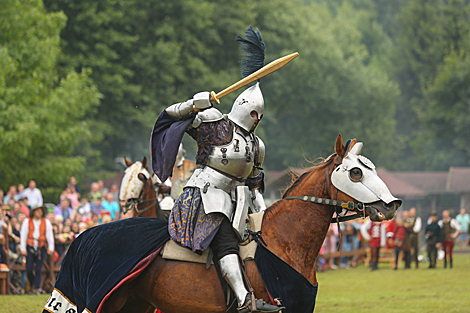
265 70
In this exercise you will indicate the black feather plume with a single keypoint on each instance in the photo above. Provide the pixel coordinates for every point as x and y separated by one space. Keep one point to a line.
253 47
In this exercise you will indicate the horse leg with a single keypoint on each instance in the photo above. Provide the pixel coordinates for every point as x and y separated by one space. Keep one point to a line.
181 287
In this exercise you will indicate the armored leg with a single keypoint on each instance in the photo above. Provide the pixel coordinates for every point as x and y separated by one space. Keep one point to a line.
225 248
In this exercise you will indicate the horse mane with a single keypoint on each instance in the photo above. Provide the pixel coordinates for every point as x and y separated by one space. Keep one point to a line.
297 179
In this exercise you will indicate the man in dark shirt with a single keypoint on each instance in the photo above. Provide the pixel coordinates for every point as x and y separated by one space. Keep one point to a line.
433 239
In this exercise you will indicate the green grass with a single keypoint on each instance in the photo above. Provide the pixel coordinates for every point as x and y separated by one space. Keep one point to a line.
386 290
359 290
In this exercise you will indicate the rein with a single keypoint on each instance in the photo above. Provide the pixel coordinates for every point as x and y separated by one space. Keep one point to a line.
141 200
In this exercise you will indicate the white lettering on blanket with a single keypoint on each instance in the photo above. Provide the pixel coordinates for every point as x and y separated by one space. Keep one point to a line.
57 303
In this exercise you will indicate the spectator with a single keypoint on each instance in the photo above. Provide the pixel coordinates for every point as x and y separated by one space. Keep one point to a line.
95 192
433 239
2 197
84 208
33 194
63 209
51 217
75 228
82 226
11 194
73 186
102 188
59 221
450 230
24 205
375 233
105 219
20 190
111 206
330 246
97 207
21 218
463 219
114 190
36 235
16 209
3 234
78 218
72 196
415 225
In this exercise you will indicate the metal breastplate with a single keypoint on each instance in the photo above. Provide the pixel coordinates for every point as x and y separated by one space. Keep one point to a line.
237 157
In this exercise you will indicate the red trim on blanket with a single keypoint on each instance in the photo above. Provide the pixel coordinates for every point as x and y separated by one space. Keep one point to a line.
142 265
270 297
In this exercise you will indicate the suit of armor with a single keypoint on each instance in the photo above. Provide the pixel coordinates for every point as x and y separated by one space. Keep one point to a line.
229 160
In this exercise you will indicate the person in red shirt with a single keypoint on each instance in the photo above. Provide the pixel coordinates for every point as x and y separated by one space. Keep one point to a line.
374 232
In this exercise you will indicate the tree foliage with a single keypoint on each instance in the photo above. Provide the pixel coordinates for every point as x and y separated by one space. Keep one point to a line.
40 110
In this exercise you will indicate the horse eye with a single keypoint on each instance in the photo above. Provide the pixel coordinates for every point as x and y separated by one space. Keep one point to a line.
142 177
355 174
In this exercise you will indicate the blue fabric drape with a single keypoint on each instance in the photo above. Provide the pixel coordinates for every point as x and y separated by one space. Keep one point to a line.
102 256
283 281
165 139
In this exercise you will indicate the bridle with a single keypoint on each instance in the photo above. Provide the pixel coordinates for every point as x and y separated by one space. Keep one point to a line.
133 203
337 205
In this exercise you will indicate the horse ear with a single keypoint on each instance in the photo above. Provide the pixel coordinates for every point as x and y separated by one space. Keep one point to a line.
128 163
353 142
144 162
339 147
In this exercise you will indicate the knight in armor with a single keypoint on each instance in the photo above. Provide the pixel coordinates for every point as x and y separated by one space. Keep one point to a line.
229 160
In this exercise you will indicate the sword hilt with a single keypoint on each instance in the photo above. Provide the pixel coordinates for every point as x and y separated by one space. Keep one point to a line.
214 98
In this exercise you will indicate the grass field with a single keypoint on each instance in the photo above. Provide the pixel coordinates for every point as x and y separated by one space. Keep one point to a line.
359 290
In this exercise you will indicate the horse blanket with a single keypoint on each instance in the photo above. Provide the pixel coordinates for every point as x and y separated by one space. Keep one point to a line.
103 257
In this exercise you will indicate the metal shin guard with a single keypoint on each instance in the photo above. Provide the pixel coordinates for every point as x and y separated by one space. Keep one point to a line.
231 271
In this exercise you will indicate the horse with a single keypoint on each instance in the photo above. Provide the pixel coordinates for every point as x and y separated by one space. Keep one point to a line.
138 191
293 228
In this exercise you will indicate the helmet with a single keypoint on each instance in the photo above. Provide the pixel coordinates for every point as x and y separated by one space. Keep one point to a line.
248 101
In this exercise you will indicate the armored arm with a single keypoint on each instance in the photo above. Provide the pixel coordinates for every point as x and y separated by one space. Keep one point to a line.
257 179
185 110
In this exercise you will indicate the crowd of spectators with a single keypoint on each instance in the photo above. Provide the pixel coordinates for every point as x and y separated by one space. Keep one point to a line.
74 213
406 235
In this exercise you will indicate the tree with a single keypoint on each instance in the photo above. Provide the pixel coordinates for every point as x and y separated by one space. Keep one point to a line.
327 90
428 32
146 55
40 111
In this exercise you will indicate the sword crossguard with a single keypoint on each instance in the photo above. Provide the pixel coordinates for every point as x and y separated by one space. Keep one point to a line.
214 98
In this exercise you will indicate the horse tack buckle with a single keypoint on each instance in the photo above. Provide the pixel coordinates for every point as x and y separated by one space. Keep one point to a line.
348 205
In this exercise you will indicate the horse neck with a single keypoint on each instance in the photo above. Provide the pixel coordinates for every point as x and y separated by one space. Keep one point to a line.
294 230
148 194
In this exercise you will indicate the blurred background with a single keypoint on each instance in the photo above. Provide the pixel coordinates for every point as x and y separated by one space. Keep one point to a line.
82 82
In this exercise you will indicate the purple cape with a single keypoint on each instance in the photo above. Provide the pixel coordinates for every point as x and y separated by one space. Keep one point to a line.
165 139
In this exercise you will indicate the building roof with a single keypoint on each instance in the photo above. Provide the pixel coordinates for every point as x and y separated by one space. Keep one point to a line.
458 180
399 187
429 182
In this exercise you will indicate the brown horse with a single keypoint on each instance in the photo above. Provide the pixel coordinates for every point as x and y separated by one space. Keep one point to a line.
294 230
